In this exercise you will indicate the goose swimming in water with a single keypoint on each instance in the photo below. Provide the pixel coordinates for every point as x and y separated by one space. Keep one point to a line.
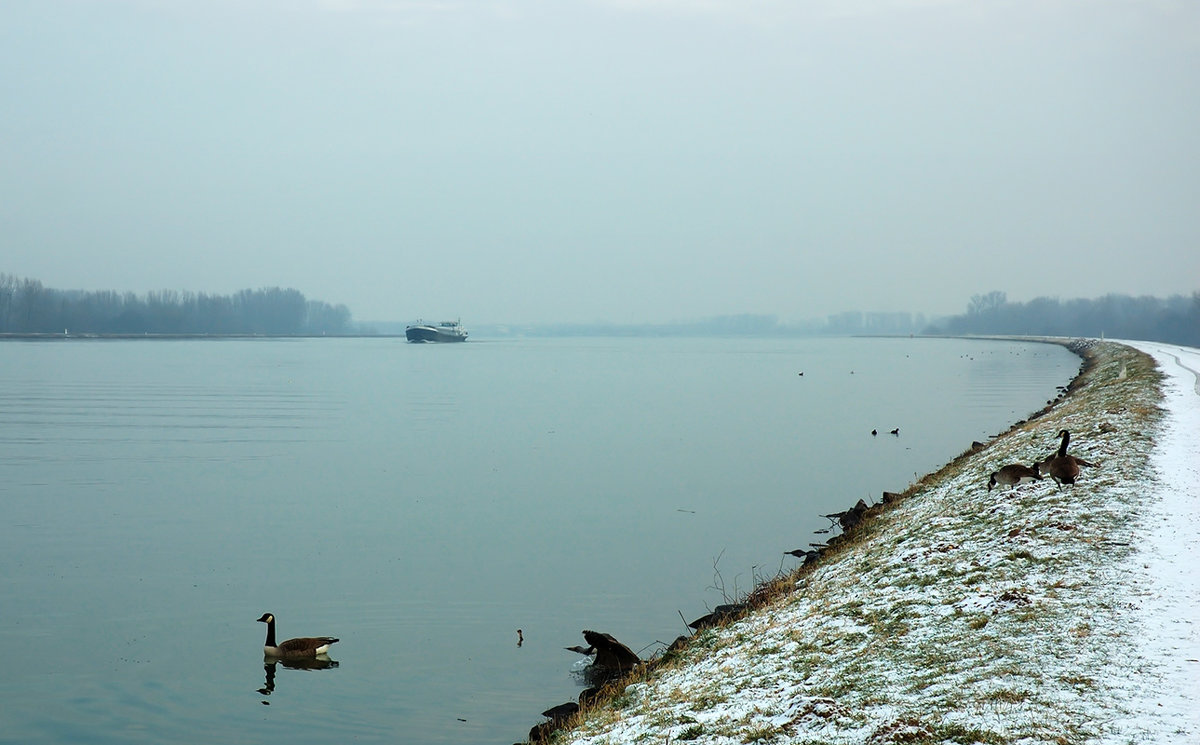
309 646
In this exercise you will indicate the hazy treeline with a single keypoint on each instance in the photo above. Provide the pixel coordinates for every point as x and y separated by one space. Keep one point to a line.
28 307
1175 319
746 324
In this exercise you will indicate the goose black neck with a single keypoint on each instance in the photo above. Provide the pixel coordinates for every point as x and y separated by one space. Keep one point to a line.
271 633
1066 438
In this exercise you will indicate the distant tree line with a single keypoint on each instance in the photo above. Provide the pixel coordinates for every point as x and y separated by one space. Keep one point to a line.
1174 320
28 307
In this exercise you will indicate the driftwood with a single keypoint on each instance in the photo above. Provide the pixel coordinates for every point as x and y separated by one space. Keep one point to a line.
809 556
851 517
610 653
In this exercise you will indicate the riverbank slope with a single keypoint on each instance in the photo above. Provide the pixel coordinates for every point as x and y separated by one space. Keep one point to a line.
1041 614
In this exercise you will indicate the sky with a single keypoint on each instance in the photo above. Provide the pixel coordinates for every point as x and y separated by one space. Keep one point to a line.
523 161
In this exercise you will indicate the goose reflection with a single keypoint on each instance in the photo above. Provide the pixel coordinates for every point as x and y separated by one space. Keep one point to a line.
320 662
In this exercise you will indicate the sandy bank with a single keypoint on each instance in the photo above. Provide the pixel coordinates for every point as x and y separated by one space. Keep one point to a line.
957 614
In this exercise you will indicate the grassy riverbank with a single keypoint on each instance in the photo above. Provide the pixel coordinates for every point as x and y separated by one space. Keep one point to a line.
954 614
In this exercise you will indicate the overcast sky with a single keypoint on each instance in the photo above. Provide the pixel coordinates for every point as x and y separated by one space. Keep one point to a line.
528 160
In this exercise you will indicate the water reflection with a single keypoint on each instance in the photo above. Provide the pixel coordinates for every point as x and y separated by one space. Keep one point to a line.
242 434
320 662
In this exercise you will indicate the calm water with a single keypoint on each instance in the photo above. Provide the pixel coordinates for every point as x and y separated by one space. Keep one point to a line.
422 502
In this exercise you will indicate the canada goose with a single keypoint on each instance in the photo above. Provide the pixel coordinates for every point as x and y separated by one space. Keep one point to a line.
1015 474
302 647
1062 453
1066 440
874 432
1063 468
895 431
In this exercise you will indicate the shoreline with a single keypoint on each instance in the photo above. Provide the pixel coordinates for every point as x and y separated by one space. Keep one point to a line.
954 615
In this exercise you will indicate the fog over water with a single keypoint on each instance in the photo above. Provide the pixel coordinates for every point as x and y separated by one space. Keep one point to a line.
513 161
422 503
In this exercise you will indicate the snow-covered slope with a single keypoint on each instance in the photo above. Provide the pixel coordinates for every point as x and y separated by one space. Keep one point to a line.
1040 614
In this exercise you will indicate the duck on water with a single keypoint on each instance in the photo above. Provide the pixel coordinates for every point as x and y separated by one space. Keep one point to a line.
307 646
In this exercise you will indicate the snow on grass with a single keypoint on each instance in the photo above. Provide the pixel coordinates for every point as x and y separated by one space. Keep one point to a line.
1040 614
1168 593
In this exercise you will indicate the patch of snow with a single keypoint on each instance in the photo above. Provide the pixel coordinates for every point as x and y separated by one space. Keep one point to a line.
1168 601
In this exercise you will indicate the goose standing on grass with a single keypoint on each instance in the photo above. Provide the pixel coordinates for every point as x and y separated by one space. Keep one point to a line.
1015 474
1062 452
1063 468
308 646
1066 440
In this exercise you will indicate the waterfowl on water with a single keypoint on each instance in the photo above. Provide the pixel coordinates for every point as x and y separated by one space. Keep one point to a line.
895 431
308 646
1014 474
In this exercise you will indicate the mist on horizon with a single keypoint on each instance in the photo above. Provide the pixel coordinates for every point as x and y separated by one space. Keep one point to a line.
604 161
